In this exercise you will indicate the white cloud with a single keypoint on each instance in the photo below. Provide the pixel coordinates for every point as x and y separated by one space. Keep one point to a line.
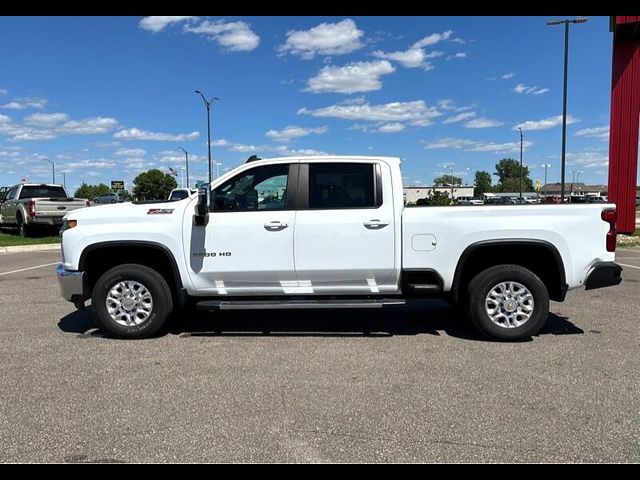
157 24
596 132
46 126
46 120
509 147
26 102
508 76
5 119
475 146
416 56
89 126
433 39
233 36
412 58
588 159
3 92
545 123
220 143
458 40
293 131
351 78
139 134
459 55
459 117
130 152
239 147
302 152
526 90
448 143
483 122
391 127
325 39
416 113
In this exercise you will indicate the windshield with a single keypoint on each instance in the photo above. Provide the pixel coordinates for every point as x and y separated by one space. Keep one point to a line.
42 191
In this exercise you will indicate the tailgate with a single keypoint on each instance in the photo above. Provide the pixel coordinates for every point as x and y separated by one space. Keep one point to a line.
57 207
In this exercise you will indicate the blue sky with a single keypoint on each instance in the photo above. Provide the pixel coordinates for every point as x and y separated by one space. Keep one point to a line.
108 97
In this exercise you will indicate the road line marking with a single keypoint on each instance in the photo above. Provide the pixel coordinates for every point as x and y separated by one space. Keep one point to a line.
630 266
30 268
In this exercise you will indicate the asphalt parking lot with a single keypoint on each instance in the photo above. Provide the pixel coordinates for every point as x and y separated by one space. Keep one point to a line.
398 385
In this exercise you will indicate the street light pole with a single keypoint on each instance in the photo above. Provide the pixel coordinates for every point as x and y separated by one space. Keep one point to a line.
546 165
520 164
64 180
186 159
208 103
53 169
564 94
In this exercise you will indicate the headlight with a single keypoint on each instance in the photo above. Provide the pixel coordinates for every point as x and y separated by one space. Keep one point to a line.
68 224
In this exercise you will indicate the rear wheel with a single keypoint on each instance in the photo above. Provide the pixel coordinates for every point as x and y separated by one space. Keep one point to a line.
132 301
24 230
508 302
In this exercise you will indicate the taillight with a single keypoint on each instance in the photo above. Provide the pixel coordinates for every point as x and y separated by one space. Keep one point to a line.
610 216
32 208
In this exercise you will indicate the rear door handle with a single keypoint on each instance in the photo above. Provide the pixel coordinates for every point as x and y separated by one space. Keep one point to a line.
375 224
275 226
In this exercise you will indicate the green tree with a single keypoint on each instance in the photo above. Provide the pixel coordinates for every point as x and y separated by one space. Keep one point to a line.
153 185
446 180
508 172
91 191
435 199
482 183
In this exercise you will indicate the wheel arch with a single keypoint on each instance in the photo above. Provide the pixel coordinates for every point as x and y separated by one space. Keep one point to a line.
539 256
97 258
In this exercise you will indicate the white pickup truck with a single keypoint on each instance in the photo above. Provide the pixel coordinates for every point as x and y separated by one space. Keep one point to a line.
330 232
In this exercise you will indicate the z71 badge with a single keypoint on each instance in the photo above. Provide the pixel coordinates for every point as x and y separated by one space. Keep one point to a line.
160 211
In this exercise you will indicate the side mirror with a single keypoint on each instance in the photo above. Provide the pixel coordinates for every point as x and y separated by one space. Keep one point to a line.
202 207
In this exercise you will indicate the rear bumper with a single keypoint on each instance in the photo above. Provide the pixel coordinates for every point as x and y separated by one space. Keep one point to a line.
53 221
603 274
71 284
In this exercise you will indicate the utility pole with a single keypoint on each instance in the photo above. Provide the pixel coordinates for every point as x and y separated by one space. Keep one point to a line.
546 165
186 161
207 104
53 170
520 164
564 95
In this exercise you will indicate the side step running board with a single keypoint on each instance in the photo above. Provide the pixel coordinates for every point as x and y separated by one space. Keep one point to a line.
295 304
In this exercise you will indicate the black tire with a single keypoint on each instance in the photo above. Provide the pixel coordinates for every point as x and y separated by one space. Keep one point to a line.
162 301
24 230
485 281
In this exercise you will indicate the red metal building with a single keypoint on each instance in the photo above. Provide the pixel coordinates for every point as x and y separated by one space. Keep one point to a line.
625 119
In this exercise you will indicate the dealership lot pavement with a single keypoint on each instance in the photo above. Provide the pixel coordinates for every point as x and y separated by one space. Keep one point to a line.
402 384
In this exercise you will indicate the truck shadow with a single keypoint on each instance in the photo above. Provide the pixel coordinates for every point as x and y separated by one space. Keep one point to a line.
416 318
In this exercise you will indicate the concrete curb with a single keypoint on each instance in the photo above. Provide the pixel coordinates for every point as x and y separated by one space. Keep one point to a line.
30 248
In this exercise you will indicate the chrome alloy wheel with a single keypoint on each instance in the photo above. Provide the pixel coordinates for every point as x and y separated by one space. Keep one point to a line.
509 304
129 303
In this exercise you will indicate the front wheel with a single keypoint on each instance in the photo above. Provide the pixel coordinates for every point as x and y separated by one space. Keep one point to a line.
508 302
132 301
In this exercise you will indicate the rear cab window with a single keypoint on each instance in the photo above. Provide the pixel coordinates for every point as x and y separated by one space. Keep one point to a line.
42 191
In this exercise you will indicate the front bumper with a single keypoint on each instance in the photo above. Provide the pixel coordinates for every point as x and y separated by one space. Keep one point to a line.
603 274
71 284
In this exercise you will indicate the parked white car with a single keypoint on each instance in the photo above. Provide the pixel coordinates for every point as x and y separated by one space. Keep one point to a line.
330 232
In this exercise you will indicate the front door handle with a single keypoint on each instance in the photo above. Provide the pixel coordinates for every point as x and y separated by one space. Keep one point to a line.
375 224
275 226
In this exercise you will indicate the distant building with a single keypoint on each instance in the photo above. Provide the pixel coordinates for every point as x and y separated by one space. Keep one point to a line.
415 192
580 189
